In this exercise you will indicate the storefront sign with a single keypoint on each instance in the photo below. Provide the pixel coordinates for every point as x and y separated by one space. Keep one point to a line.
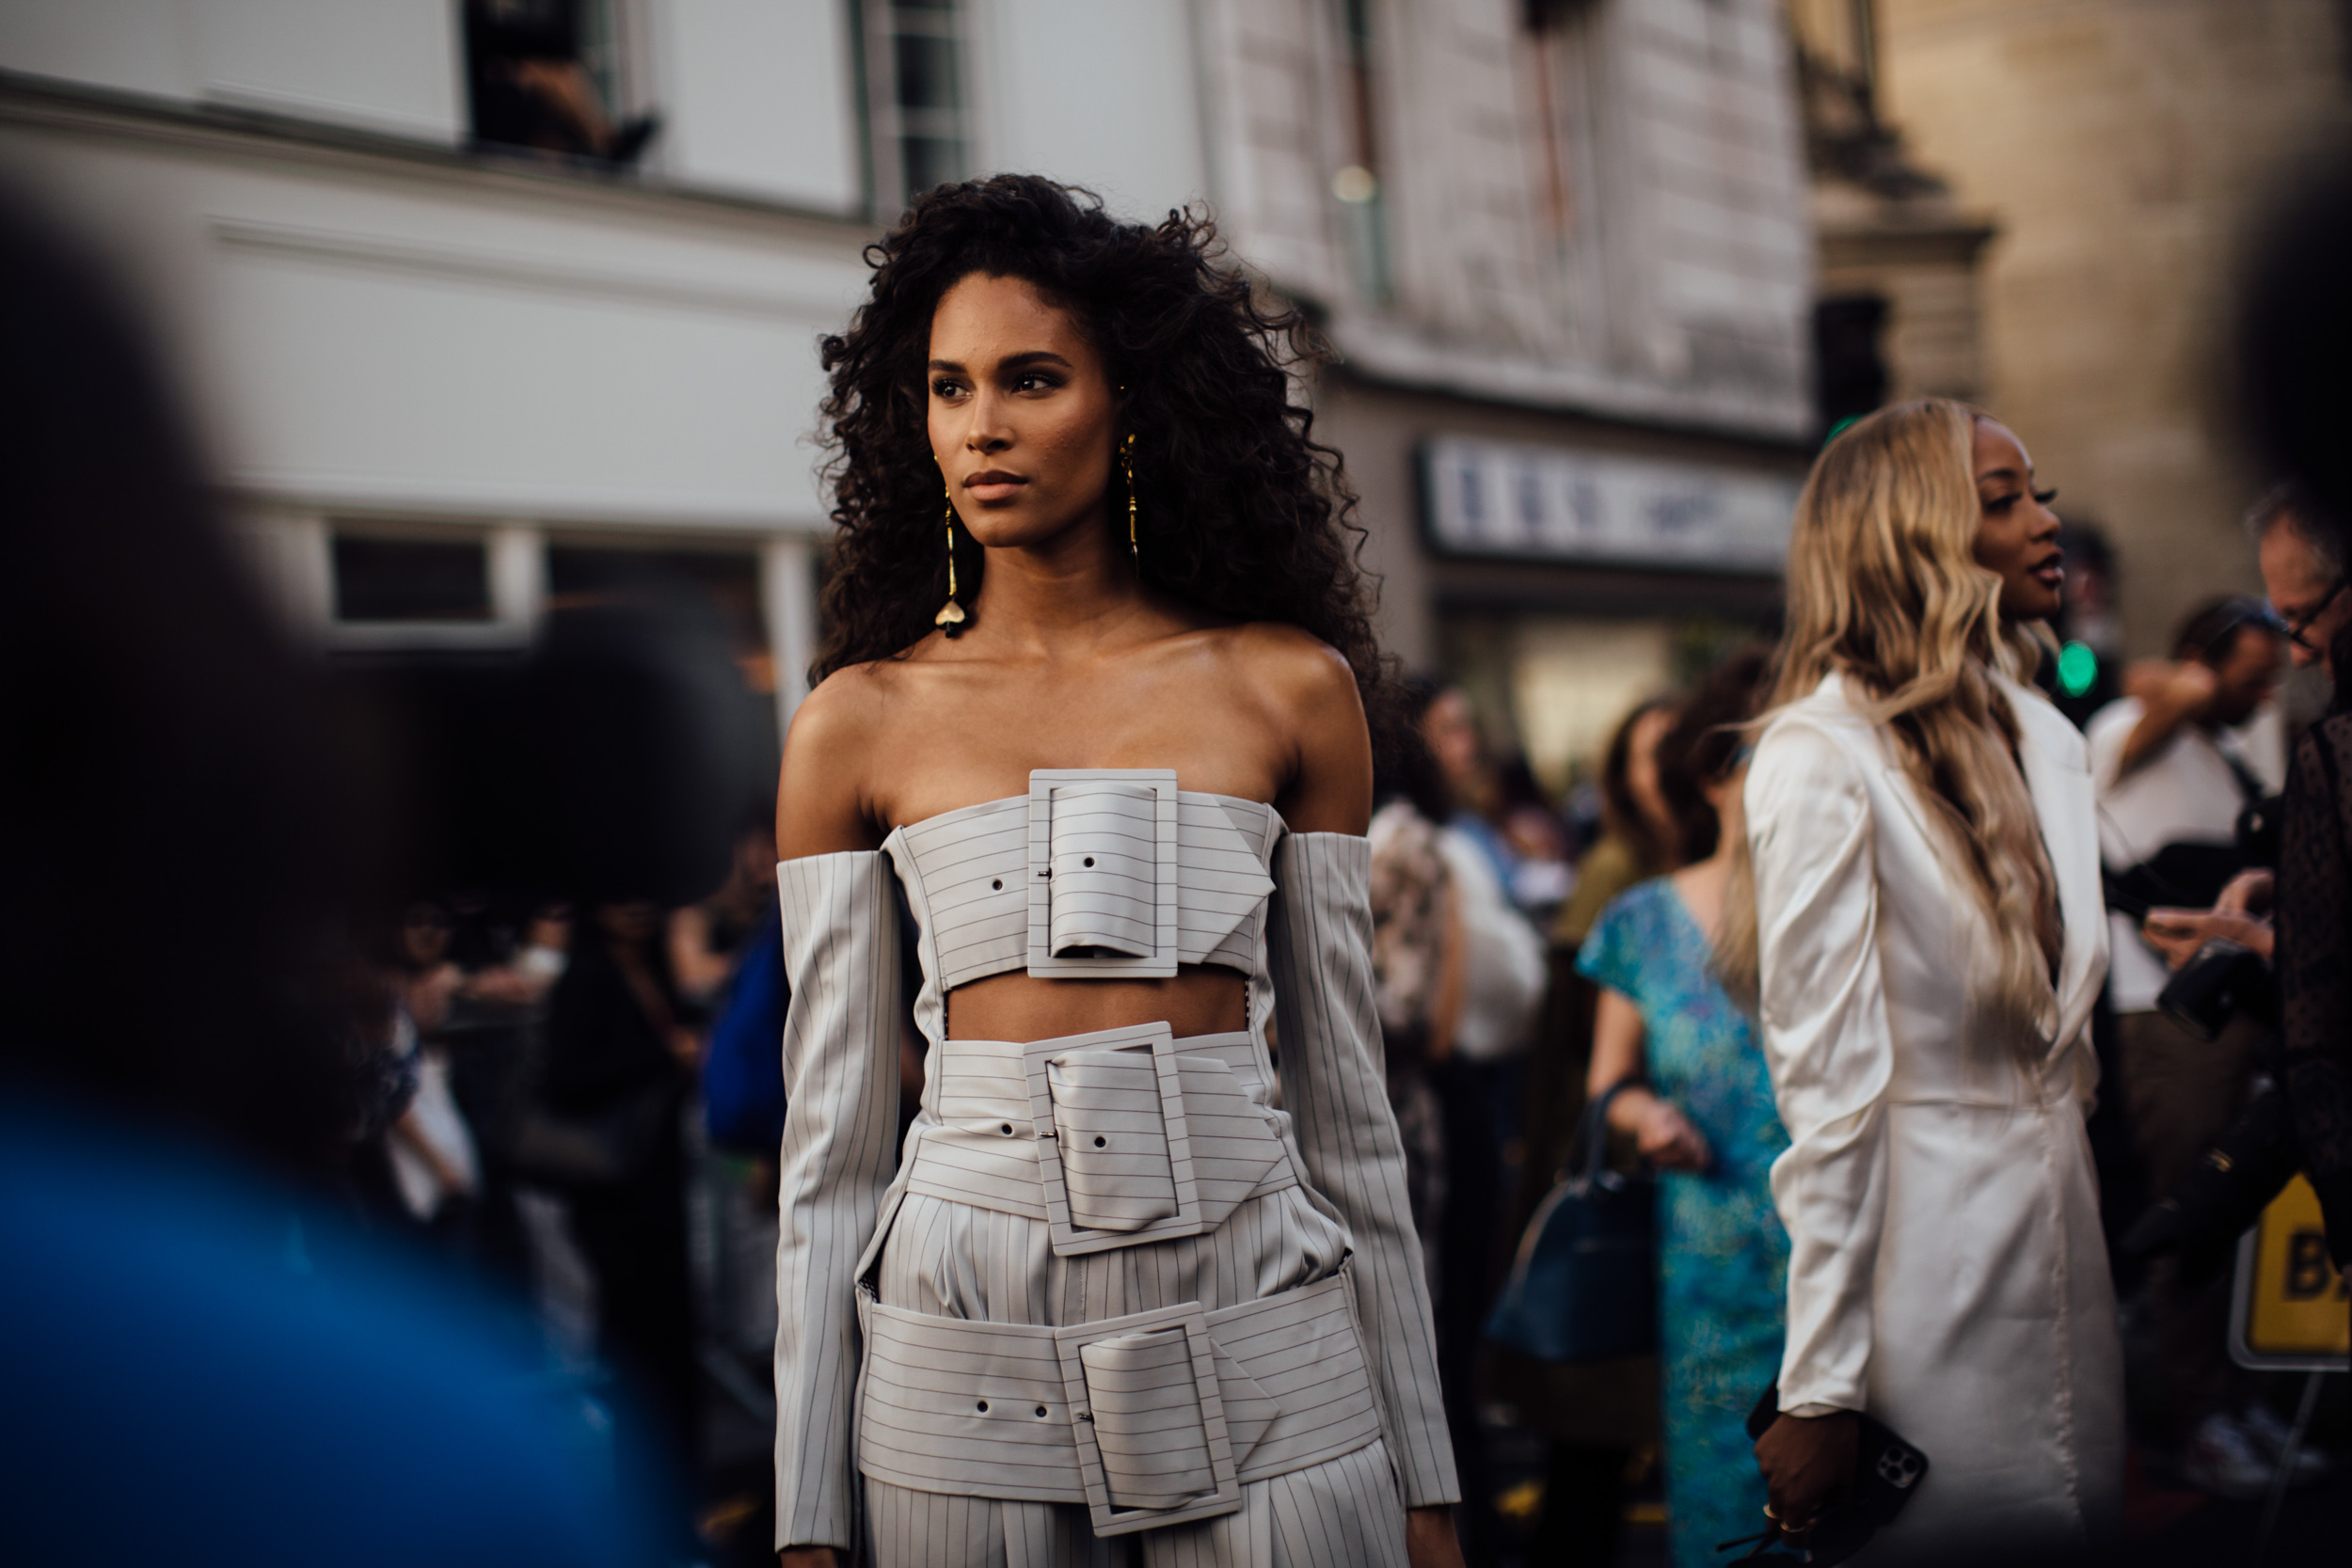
1556 503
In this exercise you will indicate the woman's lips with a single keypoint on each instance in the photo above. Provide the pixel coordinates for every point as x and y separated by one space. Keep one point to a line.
993 485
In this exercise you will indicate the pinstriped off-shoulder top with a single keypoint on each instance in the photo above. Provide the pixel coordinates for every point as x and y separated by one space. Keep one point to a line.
1102 874
1095 873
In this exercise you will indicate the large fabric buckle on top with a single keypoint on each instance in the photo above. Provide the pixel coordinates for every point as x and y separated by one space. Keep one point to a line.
1102 883
1149 1419
1114 1151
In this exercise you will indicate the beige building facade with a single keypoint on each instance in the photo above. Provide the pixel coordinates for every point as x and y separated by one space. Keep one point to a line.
1561 250
2125 151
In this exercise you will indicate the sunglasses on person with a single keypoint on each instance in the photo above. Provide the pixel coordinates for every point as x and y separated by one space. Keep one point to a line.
2297 624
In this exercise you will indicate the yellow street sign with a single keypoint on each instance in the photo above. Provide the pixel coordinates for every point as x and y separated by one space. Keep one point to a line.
2292 1310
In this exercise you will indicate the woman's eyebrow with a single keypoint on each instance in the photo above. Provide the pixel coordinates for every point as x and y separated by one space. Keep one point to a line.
2004 471
1011 361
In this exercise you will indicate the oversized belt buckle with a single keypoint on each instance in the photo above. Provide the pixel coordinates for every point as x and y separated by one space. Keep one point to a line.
1068 1238
1153 841
1121 1401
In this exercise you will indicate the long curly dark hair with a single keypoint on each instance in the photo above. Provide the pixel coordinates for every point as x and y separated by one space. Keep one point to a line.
1241 510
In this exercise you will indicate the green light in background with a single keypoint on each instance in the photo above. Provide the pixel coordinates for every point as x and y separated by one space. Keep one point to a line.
2077 667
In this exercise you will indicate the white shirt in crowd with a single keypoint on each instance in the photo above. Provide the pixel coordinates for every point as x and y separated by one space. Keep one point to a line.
2185 794
1502 957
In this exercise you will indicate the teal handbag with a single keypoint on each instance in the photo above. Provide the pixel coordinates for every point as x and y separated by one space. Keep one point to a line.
1584 1285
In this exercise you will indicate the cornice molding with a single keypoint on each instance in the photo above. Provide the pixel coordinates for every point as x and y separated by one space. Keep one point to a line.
226 131
1382 352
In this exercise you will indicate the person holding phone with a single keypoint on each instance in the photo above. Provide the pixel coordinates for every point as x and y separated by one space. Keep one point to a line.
2175 764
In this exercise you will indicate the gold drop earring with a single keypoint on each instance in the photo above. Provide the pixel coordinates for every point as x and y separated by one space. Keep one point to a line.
950 616
1128 464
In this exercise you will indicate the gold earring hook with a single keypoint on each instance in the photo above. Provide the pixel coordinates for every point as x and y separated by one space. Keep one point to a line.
950 617
1127 462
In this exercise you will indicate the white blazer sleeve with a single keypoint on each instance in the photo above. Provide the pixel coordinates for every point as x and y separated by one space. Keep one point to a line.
1828 1045
840 1121
1328 1034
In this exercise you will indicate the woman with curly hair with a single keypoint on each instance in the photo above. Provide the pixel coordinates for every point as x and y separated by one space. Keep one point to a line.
1093 710
1927 938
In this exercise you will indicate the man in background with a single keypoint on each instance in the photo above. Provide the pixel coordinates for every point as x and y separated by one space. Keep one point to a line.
2174 765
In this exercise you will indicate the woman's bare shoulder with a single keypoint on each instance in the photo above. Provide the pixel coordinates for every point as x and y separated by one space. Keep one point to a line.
1305 689
1292 671
845 711
822 795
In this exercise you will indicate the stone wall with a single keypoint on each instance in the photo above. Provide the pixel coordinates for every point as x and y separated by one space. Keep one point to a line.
2125 150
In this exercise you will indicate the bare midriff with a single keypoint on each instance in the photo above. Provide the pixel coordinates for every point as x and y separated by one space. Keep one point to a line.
1202 999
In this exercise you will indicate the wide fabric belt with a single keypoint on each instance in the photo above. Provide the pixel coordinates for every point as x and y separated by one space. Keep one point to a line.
1149 1419
1113 1138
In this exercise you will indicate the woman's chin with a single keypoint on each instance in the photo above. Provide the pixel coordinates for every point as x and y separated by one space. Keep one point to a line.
2034 604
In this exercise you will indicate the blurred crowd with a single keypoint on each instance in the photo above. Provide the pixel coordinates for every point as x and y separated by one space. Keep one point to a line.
1535 964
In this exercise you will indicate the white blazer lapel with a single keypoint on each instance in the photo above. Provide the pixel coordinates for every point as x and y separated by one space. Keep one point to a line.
2062 799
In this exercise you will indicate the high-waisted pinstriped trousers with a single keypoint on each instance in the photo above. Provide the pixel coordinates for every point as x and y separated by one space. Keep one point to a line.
952 1259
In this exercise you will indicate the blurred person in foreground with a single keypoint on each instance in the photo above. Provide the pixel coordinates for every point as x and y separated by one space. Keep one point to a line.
1927 938
2296 338
2173 772
1594 1418
201 1365
1694 1094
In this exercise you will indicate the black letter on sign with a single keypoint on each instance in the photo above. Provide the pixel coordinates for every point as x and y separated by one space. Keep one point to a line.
2308 1274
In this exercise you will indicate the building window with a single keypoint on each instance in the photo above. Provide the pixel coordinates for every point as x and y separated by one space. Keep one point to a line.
543 76
1363 204
1849 356
914 97
436 580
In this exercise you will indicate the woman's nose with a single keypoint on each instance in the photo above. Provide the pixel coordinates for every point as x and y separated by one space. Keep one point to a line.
986 429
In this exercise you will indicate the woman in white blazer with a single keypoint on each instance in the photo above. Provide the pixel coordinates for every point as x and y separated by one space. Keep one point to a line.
1927 940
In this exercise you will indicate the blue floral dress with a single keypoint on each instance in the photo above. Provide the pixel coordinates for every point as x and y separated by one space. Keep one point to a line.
1722 1254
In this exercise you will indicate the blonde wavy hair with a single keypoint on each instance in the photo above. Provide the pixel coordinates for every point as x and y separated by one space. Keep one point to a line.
1884 588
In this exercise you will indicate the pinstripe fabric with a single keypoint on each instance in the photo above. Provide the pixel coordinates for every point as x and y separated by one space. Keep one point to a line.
1320 936
968 874
1339 1514
953 1260
956 1406
958 1236
985 1147
841 1082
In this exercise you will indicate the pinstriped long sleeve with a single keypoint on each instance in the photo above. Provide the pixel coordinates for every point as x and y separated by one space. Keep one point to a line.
1321 935
841 1079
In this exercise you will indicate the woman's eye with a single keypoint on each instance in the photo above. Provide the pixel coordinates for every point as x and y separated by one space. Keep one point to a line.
944 389
2046 495
2001 503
